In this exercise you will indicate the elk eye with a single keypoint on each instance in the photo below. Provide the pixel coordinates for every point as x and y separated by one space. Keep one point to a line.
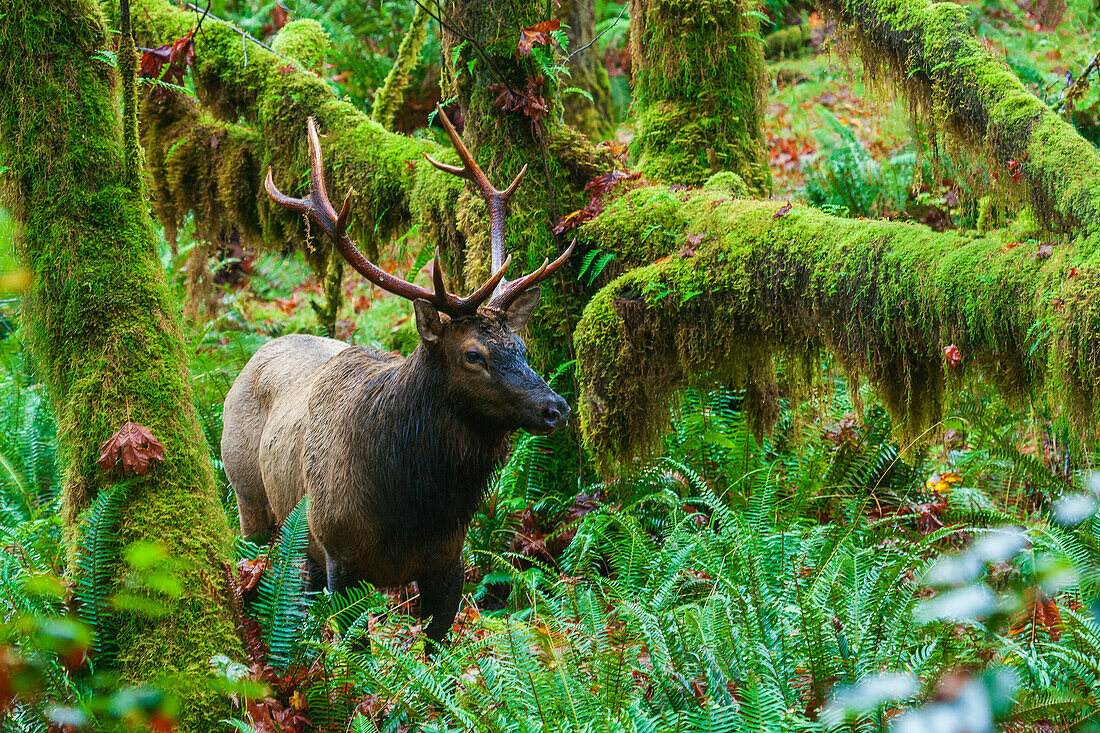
472 357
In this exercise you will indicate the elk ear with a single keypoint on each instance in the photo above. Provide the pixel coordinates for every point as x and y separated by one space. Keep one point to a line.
522 308
428 324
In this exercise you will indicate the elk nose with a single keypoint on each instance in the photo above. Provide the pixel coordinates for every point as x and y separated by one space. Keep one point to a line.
556 413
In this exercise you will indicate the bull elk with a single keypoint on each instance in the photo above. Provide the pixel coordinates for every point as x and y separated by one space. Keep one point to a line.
394 453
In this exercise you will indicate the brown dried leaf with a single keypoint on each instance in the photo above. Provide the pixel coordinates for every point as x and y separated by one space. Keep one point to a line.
135 446
572 220
783 211
537 33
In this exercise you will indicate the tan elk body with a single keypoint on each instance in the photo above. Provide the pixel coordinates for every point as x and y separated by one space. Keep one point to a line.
394 453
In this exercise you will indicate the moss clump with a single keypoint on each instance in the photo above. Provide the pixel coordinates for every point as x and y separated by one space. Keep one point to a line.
729 182
788 43
929 51
305 41
699 76
103 331
884 297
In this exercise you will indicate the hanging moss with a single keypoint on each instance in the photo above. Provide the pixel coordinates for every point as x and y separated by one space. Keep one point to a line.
699 78
390 98
103 331
884 297
265 100
928 51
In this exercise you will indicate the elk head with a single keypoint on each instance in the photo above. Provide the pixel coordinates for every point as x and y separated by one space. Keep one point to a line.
472 340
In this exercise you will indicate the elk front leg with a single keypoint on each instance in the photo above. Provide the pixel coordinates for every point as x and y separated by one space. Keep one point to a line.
340 576
440 593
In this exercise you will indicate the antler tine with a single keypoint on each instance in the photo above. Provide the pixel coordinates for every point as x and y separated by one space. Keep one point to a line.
512 290
318 208
470 170
482 293
437 278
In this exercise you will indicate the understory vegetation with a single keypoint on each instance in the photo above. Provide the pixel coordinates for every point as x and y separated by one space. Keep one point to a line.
807 552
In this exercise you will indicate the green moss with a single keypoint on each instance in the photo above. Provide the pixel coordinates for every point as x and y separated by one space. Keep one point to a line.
788 43
389 99
956 85
305 41
103 331
698 73
884 297
262 100
729 182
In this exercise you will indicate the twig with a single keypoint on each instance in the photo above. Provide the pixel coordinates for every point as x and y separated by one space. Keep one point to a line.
244 50
245 34
598 35
1094 64
206 12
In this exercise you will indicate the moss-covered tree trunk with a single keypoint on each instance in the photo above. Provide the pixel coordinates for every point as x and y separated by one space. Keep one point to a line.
699 76
103 329
587 72
560 162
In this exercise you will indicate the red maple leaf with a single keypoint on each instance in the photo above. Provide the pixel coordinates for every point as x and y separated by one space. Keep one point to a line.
537 33
169 63
1016 169
600 185
954 356
135 446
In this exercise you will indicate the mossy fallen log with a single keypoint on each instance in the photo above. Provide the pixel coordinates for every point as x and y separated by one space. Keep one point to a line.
884 298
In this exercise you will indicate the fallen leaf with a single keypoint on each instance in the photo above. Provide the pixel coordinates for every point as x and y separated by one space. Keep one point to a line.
250 571
1045 250
1072 272
135 446
783 211
1010 246
528 100
572 220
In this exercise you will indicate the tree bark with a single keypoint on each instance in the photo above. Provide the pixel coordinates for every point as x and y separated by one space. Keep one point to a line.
103 329
699 78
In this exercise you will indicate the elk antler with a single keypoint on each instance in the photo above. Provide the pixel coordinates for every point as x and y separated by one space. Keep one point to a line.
319 209
497 203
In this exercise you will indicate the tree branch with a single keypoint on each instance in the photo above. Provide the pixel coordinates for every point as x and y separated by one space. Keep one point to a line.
884 298
928 51
396 186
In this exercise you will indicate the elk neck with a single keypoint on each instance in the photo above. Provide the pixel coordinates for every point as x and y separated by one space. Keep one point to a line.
437 462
